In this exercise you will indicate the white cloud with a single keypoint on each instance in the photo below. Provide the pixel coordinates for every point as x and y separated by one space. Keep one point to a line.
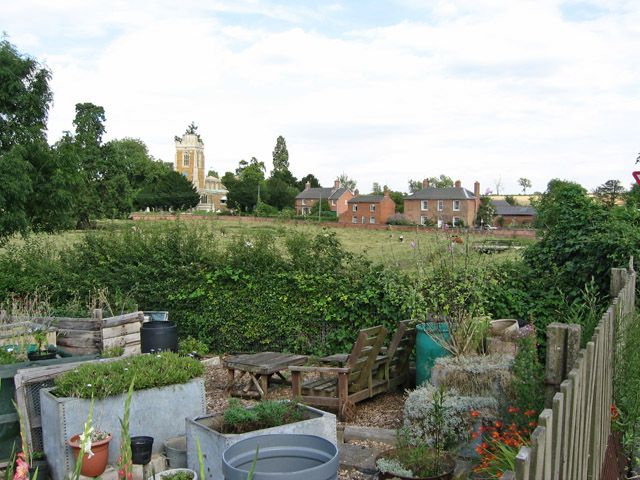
473 89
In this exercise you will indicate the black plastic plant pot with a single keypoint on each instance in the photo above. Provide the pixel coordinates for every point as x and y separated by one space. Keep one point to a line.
141 450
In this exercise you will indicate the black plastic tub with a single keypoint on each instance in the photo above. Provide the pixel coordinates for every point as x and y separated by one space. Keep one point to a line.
141 450
158 337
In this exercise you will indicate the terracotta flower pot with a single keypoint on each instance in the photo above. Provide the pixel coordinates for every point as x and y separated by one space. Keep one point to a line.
96 465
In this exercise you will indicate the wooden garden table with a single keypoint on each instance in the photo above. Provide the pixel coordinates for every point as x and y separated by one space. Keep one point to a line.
260 367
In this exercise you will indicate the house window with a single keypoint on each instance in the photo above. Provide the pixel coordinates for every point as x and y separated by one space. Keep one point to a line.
354 219
185 159
354 208
364 220
424 205
333 203
440 205
372 208
455 221
203 199
306 210
456 205
302 203
423 220
372 219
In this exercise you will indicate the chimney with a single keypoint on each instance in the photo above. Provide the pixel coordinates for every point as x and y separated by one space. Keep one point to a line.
336 184
425 183
476 189
356 192
458 184
386 192
307 185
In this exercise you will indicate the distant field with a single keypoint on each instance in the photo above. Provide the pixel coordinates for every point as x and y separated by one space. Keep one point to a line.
403 250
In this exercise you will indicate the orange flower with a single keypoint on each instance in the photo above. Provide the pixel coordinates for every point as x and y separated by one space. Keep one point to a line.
529 413
513 409
475 413
498 424
532 424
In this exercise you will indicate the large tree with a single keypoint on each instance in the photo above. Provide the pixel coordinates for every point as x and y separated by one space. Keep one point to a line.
245 184
486 211
443 181
280 155
347 182
415 186
609 192
524 183
309 177
167 190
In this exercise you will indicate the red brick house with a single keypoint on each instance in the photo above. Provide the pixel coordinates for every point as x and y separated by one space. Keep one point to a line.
369 209
455 205
337 197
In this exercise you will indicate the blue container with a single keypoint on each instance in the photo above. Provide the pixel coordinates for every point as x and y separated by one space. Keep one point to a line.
428 349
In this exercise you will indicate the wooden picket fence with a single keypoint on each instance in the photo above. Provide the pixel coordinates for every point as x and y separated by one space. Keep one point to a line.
570 440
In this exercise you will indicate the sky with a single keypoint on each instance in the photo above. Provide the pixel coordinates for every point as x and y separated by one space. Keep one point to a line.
382 91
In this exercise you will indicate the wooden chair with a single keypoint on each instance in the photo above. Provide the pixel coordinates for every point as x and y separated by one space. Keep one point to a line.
344 386
399 354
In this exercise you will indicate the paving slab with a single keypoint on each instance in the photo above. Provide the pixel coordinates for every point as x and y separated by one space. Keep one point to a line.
359 457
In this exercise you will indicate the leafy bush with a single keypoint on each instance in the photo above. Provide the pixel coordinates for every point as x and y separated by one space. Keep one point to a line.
103 379
528 374
191 345
399 219
266 414
419 415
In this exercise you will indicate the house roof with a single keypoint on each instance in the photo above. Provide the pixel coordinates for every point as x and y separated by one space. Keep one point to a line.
503 208
447 193
318 193
367 199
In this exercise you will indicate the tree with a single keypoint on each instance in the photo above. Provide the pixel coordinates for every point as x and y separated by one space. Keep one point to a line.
377 189
309 177
280 155
415 186
279 193
213 173
498 184
243 186
169 191
443 181
524 183
322 206
632 197
346 182
398 198
486 211
14 194
510 199
609 192
25 98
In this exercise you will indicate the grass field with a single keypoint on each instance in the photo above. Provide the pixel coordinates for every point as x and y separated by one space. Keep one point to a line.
403 250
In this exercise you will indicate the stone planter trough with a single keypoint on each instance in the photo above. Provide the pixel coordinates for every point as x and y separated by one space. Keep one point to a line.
157 412
214 443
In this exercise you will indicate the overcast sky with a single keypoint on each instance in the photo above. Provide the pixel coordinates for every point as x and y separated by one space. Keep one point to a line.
383 91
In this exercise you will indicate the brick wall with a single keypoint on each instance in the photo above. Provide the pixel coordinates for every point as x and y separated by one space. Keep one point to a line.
467 212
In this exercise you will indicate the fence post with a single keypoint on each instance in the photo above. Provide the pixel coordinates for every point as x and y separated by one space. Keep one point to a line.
618 278
563 347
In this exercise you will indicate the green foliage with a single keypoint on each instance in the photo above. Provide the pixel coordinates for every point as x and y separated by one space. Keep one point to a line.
346 182
398 199
580 240
586 311
510 199
169 190
524 183
323 206
609 193
486 211
626 386
414 185
266 414
8 357
443 181
280 155
528 375
112 352
182 475
125 462
243 186
100 380
190 345
399 219
313 181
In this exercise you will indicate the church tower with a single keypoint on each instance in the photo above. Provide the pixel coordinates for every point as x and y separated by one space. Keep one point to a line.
190 157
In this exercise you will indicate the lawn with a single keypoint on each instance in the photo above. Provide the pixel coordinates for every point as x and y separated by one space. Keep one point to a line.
409 251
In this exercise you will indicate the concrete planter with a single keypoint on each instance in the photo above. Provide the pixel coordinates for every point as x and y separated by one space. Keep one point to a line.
156 412
214 443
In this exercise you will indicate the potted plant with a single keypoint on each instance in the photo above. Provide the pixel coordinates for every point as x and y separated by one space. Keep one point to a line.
414 457
217 432
176 474
42 353
94 445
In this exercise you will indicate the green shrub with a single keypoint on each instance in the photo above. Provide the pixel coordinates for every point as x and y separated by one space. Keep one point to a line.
112 352
528 374
191 345
100 380
266 414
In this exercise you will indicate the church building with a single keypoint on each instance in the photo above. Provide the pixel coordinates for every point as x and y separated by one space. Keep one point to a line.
190 163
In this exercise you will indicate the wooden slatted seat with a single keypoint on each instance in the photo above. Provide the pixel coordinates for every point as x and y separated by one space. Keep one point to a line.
343 387
399 355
